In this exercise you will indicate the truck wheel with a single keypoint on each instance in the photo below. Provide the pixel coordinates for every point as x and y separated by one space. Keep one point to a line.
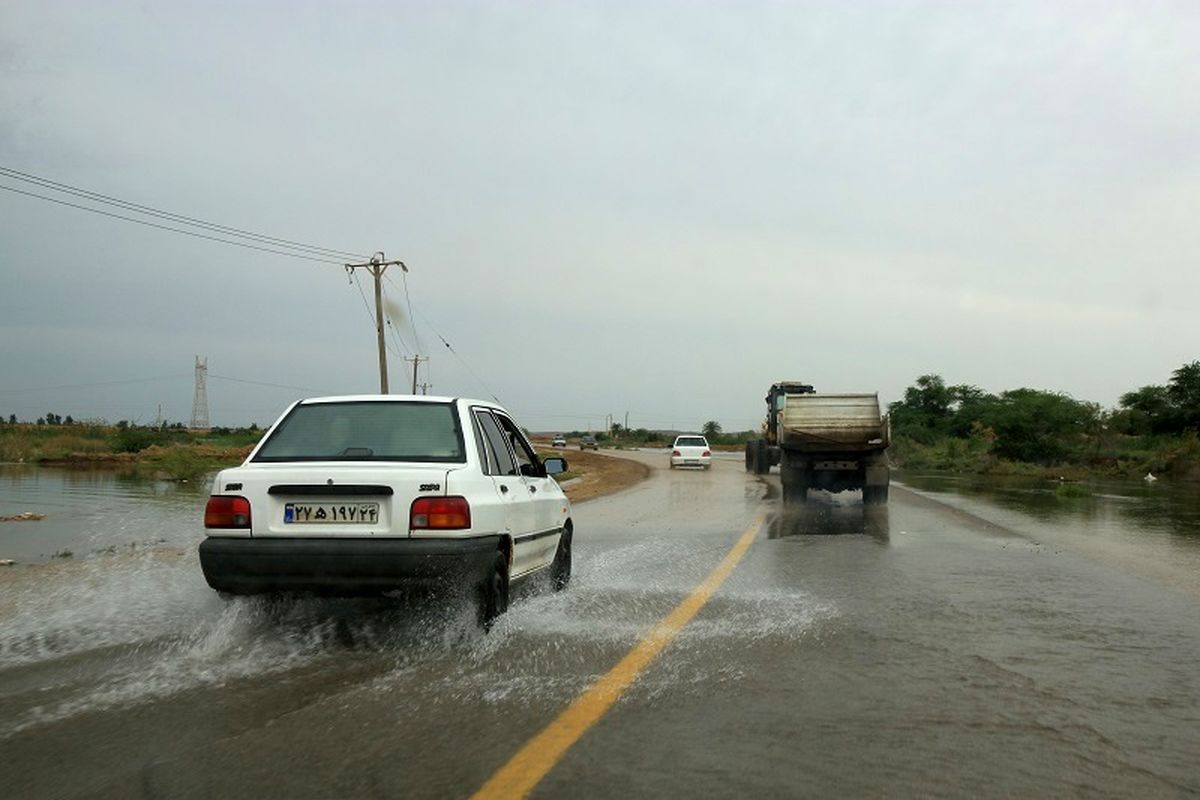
494 601
750 456
795 494
795 485
762 462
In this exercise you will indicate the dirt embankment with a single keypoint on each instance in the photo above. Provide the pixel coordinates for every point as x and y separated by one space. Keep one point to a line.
599 474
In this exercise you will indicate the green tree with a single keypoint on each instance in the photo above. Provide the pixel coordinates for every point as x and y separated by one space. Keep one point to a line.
711 429
1145 410
1184 392
925 412
1037 426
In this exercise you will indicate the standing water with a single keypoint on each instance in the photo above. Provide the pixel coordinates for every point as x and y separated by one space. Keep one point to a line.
1152 529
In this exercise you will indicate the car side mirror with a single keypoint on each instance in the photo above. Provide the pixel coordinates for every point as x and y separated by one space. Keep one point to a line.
555 466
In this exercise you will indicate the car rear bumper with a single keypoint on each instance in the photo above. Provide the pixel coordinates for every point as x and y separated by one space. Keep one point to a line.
697 461
259 565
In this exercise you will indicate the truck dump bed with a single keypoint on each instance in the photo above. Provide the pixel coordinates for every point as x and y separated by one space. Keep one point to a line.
832 422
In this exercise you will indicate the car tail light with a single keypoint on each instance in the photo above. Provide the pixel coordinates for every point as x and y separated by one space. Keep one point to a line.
707 453
439 513
676 453
225 511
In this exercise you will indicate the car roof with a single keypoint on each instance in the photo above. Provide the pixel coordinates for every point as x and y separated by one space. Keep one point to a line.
394 398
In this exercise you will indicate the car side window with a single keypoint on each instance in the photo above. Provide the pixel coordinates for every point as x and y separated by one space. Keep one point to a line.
487 456
526 458
503 460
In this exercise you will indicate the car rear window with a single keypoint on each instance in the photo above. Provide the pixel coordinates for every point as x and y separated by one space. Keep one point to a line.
372 431
691 441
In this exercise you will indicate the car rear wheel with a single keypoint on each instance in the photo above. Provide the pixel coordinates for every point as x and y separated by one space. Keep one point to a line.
494 601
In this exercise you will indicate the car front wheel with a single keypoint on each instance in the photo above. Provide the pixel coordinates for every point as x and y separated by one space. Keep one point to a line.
560 568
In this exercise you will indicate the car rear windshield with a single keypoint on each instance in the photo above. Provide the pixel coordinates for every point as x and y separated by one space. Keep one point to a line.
372 431
691 441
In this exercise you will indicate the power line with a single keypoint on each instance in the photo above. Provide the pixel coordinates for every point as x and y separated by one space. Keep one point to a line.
76 191
264 383
454 352
408 300
92 385
393 328
168 227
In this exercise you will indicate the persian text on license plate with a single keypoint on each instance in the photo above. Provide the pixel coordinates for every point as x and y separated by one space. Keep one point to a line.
341 513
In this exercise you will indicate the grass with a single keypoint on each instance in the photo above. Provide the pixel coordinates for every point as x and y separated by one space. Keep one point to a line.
187 462
1070 490
171 454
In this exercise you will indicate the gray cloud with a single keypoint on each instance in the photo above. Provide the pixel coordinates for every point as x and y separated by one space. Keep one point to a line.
657 208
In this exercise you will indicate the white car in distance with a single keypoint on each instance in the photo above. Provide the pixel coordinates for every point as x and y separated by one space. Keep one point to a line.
361 495
691 451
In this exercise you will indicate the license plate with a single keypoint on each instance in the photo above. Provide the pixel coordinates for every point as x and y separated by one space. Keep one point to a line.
339 513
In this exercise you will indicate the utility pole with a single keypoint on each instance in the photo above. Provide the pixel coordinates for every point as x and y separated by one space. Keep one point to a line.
376 266
425 387
416 360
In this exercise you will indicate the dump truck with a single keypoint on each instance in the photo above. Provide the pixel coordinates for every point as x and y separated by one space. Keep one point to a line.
835 442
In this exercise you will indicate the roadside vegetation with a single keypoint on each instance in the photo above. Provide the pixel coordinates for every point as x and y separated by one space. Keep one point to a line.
166 451
1032 432
621 438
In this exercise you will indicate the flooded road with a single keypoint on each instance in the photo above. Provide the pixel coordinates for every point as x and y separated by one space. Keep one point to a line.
960 641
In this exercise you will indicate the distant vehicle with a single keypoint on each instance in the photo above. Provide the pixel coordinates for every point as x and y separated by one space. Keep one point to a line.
588 442
559 441
823 441
368 494
691 451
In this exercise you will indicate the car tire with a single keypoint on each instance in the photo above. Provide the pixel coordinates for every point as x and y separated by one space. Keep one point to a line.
494 600
560 568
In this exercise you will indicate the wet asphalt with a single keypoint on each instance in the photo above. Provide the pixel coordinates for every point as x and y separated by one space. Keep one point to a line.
914 650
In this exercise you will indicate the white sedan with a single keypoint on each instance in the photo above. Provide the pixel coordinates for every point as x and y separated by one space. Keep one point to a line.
691 451
368 494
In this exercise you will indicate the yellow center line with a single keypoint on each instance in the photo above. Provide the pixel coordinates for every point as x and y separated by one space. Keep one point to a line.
526 769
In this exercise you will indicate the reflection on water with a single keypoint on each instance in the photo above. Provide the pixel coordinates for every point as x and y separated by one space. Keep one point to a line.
94 510
826 514
1152 529
1161 507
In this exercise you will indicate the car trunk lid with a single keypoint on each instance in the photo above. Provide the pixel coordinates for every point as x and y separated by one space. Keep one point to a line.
334 499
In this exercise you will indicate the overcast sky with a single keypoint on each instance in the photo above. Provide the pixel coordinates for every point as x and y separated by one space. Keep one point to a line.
652 208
